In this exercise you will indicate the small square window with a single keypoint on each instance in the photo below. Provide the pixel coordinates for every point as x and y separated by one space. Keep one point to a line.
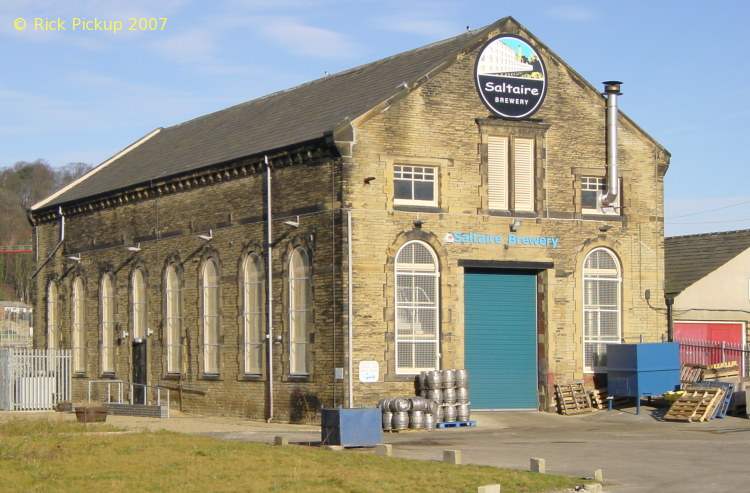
591 188
415 185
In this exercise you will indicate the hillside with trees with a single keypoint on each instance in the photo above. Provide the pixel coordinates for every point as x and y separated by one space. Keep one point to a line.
21 186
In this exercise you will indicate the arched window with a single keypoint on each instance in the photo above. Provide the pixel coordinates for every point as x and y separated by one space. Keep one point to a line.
138 313
173 319
300 316
53 316
108 323
601 307
417 308
211 317
78 325
252 296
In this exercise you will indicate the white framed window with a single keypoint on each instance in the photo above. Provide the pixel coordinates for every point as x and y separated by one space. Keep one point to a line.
300 313
53 316
592 187
211 317
173 319
138 312
107 294
417 308
78 336
602 307
252 295
415 185
511 173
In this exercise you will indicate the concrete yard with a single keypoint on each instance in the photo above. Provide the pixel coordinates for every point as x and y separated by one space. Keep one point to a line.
636 453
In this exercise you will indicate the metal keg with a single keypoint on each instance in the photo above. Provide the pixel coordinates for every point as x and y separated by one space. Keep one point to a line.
423 393
449 396
387 420
431 407
462 395
449 413
462 378
418 403
423 380
449 378
430 421
385 404
434 379
416 420
435 395
400 421
440 414
462 412
400 404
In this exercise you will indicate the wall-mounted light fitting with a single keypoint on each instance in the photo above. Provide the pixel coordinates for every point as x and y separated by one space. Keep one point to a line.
516 225
208 237
419 222
605 227
124 335
75 258
369 179
134 248
149 332
293 224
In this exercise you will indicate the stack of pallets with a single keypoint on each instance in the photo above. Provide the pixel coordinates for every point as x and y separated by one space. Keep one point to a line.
573 399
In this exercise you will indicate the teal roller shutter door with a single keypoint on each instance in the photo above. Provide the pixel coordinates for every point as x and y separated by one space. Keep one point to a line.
500 344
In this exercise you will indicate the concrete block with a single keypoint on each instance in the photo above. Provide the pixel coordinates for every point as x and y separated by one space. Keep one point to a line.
384 449
452 456
598 476
335 448
489 488
280 440
537 465
594 487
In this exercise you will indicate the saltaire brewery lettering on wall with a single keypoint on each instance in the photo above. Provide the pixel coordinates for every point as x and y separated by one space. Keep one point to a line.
510 77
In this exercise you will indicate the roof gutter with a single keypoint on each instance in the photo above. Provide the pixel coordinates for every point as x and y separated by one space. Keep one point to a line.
611 91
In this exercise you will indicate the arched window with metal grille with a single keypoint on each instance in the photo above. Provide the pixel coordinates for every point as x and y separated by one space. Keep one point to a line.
417 308
602 307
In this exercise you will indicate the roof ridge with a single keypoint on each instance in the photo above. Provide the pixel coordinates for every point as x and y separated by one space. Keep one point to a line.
714 233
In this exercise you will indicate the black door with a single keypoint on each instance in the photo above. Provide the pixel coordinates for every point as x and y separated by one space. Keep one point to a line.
139 371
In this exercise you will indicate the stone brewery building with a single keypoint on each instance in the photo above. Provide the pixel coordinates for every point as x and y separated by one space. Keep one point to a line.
473 203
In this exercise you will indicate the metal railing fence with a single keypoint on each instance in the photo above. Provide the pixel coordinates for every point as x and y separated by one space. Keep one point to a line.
704 353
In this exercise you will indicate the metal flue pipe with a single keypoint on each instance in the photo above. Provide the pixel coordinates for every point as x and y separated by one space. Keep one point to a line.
611 91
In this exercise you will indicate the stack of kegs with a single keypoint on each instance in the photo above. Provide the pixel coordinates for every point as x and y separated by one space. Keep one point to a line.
450 390
400 413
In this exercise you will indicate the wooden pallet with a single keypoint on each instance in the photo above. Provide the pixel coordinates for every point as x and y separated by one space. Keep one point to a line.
723 407
719 371
690 374
696 404
600 399
573 399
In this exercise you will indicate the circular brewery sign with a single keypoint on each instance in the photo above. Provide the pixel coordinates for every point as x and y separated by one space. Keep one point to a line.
510 77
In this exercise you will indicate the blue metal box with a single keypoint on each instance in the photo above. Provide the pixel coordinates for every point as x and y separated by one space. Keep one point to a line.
351 427
635 370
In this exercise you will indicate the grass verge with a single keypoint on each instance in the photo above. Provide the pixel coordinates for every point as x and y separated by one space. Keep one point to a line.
42 455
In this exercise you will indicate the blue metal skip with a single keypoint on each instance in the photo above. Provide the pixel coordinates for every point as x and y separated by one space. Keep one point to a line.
500 339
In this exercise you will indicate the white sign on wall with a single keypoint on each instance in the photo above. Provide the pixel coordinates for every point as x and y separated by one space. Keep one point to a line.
369 371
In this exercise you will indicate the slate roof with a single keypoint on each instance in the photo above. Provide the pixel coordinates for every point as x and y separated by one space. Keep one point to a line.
297 115
687 259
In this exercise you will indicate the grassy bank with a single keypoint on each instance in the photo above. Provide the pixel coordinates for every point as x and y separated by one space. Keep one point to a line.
41 455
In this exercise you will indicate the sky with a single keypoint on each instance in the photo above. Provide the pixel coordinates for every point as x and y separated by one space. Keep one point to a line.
84 93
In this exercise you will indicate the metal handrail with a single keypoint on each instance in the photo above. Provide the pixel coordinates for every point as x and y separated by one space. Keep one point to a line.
121 383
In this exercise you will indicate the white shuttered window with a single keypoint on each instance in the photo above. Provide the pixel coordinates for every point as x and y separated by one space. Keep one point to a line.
511 173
